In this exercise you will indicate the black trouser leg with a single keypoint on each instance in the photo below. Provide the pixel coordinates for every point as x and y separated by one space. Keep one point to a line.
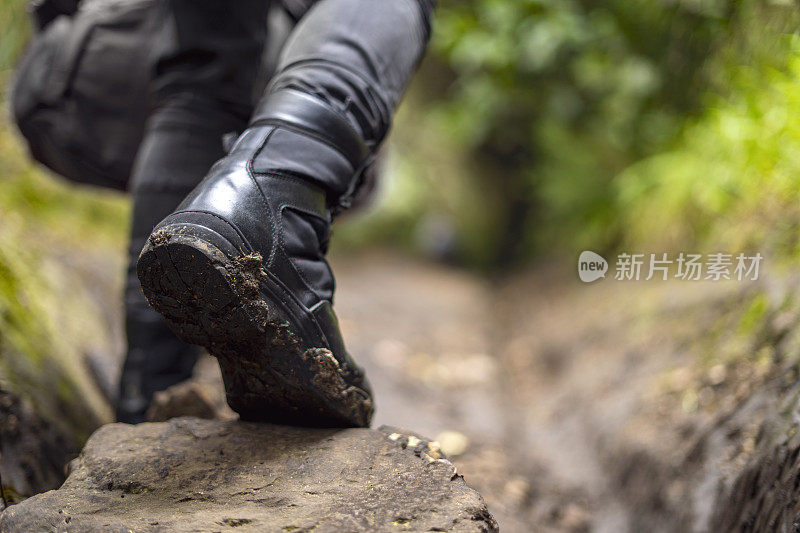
209 57
352 58
173 160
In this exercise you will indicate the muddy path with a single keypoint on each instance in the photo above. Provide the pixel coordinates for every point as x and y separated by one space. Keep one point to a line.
573 407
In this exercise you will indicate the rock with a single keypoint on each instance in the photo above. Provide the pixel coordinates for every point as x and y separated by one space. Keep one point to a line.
32 452
190 474
184 399
764 495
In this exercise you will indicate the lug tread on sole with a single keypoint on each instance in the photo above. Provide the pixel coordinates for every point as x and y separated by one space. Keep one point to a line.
213 301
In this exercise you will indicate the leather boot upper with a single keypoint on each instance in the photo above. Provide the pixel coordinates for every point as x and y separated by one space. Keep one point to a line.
273 195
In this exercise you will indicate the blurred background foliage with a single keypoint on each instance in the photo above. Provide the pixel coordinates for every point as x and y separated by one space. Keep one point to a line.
54 240
538 128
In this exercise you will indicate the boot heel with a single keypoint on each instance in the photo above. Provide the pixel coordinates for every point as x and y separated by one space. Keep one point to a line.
185 278
221 303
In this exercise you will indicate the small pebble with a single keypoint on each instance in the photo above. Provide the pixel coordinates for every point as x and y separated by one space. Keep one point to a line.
452 443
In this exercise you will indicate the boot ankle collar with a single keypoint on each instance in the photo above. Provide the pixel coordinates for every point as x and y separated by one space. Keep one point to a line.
297 110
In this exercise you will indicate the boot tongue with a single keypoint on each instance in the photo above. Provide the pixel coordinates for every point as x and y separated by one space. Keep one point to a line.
305 239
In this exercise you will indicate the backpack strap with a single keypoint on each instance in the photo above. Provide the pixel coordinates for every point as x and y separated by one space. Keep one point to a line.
89 16
67 57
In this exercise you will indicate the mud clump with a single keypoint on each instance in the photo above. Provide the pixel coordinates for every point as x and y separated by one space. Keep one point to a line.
248 271
160 238
328 380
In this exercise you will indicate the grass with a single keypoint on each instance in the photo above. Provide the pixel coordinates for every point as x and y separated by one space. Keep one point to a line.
57 242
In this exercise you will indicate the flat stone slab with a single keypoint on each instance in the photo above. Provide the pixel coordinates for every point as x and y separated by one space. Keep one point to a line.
189 474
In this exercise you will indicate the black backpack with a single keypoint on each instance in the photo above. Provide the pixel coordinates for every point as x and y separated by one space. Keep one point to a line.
80 94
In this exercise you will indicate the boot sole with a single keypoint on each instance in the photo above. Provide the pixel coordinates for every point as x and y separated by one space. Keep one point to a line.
229 307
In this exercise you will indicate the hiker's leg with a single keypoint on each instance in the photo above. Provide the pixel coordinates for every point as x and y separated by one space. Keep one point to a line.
203 90
354 58
240 266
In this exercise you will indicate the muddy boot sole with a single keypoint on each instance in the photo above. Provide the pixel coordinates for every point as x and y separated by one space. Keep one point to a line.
230 306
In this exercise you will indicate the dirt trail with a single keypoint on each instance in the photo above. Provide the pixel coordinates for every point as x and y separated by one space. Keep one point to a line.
436 345
569 407
572 397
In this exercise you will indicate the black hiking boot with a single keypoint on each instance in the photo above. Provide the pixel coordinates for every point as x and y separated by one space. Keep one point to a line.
240 269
